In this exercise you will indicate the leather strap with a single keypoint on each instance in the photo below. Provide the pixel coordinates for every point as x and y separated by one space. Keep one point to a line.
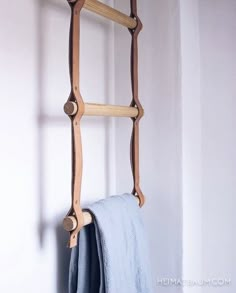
134 144
75 96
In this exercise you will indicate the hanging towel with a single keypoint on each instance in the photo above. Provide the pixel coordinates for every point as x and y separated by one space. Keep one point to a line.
111 255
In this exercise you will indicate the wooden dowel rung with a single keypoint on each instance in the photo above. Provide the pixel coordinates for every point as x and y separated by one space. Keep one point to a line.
70 223
90 109
110 13
110 110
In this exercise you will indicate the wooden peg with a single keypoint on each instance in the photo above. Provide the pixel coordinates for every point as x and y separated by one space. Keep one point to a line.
69 223
91 109
70 108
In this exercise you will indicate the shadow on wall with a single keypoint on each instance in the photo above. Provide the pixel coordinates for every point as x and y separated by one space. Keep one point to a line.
45 120
62 252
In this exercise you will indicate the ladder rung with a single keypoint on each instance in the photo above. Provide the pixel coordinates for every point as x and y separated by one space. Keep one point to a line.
91 109
70 222
110 13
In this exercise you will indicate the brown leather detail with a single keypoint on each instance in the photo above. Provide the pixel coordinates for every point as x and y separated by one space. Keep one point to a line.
134 144
75 96
75 116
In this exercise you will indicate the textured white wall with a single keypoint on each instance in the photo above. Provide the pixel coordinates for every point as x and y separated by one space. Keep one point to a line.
35 137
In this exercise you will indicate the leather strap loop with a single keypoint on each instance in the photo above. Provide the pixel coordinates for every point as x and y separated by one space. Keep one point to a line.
75 96
134 143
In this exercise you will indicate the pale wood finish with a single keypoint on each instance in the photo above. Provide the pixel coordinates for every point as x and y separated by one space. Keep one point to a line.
70 108
91 109
76 108
110 110
110 13
70 222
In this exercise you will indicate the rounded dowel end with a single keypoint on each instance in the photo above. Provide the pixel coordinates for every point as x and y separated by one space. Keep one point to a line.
69 223
70 108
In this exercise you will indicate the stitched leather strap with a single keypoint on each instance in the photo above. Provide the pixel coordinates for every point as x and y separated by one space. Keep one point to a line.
134 144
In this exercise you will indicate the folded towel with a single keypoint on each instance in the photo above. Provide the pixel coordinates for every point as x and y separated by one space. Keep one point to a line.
111 255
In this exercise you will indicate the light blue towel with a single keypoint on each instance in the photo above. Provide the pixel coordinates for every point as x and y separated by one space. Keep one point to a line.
111 255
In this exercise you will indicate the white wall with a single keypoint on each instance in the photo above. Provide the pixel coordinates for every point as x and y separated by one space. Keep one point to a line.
35 137
35 68
218 106
187 138
187 87
208 103
160 131
191 142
